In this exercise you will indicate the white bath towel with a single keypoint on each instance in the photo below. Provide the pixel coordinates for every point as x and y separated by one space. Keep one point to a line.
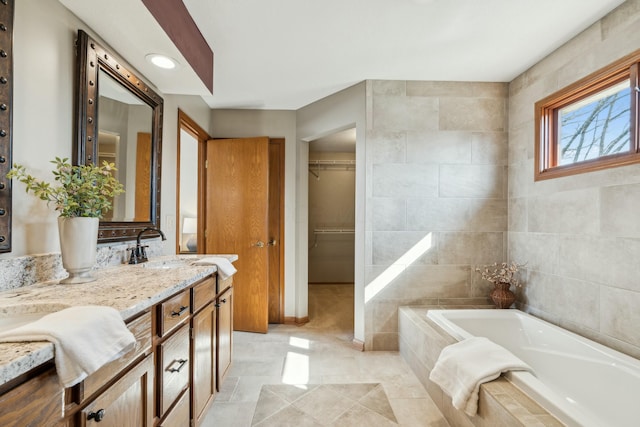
84 337
463 366
225 268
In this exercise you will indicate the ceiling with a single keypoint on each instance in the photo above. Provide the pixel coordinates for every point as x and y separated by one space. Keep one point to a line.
286 54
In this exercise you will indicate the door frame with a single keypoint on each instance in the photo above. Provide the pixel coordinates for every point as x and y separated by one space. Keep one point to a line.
187 124
280 143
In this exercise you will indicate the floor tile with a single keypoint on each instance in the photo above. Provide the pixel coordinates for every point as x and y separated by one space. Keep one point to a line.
317 354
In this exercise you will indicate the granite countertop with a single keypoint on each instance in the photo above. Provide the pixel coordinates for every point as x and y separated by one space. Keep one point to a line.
130 289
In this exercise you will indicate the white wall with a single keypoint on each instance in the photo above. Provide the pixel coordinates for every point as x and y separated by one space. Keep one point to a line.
44 58
42 113
274 124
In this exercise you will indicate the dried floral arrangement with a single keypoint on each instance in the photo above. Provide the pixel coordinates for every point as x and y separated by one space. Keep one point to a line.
501 273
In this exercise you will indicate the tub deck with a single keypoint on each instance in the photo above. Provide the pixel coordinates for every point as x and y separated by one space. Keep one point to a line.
500 402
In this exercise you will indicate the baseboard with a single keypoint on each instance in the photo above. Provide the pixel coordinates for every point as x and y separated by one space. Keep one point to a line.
357 344
298 321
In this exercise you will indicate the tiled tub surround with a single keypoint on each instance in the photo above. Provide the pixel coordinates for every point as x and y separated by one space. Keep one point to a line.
436 156
129 289
500 402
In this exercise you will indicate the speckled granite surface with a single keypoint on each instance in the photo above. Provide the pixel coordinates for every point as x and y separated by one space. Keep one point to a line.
129 289
26 270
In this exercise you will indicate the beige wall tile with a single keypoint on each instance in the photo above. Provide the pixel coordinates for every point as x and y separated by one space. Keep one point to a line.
474 114
618 203
620 316
403 113
489 148
439 147
386 147
388 214
405 180
573 212
478 248
472 181
457 214
390 247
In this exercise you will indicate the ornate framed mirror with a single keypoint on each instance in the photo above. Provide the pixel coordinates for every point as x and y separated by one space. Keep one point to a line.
6 119
118 118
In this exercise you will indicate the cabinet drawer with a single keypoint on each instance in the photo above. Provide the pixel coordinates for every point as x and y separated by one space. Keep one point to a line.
174 365
141 329
203 293
179 415
173 311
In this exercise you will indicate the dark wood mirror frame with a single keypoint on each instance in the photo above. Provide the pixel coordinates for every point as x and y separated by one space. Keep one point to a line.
6 116
91 58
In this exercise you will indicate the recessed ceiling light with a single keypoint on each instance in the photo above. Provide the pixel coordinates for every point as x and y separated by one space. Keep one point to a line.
162 61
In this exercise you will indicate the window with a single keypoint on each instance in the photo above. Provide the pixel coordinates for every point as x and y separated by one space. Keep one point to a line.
592 124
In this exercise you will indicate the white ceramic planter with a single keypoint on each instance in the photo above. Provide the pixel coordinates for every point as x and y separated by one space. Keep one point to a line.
78 241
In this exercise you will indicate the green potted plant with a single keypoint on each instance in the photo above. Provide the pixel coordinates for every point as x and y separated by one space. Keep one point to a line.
502 275
84 194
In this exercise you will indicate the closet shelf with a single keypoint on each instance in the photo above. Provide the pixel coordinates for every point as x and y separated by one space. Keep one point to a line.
334 231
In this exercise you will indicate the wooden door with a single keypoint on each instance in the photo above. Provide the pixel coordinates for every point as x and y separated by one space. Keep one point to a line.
236 222
143 177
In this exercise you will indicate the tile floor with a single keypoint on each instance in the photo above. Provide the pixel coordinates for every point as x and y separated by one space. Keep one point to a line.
319 352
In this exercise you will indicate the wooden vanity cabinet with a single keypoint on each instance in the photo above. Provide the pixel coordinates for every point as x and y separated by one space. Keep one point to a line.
169 378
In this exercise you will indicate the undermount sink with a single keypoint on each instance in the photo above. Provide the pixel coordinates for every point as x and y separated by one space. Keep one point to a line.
14 316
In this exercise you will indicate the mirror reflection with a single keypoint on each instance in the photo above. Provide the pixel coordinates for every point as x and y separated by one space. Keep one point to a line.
188 207
125 124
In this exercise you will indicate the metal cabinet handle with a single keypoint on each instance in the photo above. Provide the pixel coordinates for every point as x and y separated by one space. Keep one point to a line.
98 415
179 312
181 363
224 301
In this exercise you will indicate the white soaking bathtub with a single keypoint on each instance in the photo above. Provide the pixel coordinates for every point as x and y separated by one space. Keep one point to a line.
579 381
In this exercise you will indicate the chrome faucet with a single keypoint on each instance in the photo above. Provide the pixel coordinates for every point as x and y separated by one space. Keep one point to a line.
139 253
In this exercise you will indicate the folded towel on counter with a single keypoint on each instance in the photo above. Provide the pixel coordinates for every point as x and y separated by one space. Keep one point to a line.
84 338
463 366
225 268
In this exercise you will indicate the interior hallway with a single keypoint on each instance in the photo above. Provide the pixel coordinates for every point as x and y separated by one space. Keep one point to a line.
319 352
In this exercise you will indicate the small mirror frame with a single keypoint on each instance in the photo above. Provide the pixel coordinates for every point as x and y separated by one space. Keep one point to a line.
6 118
91 57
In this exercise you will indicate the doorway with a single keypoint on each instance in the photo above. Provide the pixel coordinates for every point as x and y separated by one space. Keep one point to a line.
243 203
331 219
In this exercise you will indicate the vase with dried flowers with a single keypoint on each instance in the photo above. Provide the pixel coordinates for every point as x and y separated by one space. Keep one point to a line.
502 275
84 194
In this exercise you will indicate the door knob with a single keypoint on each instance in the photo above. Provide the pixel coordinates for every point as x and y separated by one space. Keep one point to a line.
272 242
259 244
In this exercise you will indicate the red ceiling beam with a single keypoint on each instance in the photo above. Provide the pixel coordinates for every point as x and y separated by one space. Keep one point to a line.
175 20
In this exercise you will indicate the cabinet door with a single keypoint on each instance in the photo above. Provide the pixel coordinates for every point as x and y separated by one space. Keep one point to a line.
127 403
203 385
225 334
38 402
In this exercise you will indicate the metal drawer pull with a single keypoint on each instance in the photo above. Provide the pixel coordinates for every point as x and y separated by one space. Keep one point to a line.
180 312
98 416
182 362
